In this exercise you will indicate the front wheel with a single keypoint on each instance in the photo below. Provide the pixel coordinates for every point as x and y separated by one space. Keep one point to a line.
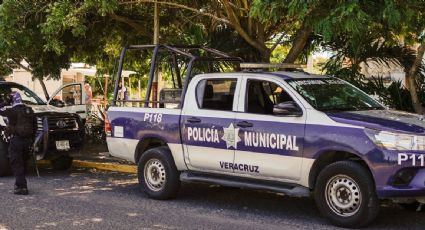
158 175
5 169
345 194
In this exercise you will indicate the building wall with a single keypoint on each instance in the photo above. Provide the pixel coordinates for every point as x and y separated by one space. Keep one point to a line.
77 73
25 78
390 72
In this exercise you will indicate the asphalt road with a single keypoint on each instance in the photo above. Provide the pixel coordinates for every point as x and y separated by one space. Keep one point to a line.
89 199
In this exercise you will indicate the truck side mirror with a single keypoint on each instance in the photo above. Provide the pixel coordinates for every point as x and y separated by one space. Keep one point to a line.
288 108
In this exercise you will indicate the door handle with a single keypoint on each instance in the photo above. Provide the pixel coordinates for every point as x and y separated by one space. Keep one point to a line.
81 111
244 124
193 120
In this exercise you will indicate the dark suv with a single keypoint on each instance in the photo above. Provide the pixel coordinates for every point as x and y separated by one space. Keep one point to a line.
58 133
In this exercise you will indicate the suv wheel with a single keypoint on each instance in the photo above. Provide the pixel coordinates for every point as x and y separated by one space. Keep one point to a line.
345 194
5 169
62 163
158 175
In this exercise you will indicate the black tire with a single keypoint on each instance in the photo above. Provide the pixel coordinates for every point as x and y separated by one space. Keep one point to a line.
163 182
5 169
413 207
61 163
348 187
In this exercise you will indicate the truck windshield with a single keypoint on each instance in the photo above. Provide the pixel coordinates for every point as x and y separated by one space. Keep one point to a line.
28 97
332 94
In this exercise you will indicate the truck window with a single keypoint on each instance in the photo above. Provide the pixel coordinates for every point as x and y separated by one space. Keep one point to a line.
262 96
332 94
216 94
71 95
28 97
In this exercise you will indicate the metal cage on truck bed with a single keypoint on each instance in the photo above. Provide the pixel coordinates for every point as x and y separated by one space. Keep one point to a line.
192 54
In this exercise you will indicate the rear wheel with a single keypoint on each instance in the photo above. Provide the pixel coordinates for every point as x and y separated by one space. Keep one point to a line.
5 169
62 163
345 194
158 175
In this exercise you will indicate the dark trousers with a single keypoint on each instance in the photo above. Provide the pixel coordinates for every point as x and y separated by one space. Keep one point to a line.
18 155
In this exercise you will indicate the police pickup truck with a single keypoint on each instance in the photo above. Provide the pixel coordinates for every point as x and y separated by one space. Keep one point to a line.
289 132
58 133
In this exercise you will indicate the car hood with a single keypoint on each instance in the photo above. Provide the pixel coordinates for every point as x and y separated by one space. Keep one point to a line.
48 110
388 120
45 108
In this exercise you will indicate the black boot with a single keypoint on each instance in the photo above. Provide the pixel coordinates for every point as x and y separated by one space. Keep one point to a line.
20 191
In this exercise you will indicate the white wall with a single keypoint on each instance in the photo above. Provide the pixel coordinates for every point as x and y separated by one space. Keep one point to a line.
25 78
391 71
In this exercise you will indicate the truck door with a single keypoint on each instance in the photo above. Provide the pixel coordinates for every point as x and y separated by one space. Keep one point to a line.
208 132
271 144
70 98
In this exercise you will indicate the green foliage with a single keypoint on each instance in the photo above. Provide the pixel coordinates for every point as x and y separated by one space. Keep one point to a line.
49 34
279 54
393 94
22 39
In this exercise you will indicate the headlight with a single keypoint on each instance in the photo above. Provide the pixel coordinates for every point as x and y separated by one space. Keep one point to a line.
396 141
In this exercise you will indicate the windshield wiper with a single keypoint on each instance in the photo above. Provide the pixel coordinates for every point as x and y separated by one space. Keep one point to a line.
369 108
342 109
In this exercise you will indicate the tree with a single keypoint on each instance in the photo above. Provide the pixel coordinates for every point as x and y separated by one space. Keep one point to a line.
412 75
385 31
49 34
23 44
242 17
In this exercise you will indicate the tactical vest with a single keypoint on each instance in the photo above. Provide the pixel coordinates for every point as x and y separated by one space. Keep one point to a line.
25 125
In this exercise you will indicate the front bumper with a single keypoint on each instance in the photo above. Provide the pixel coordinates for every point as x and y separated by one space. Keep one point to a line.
73 136
45 143
416 188
395 178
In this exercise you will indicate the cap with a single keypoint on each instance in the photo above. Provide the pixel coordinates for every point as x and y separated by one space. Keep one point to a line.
16 98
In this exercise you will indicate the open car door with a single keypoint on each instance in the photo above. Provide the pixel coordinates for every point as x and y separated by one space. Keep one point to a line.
70 98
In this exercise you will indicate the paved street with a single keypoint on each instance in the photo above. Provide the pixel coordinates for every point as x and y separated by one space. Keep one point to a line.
89 199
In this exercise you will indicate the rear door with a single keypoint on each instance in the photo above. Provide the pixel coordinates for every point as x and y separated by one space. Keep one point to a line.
271 145
70 98
208 131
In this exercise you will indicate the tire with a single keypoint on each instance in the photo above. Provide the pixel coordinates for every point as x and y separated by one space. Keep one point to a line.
158 175
345 194
413 207
62 163
5 169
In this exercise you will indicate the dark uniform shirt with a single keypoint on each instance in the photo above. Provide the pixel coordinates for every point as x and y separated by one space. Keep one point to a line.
11 112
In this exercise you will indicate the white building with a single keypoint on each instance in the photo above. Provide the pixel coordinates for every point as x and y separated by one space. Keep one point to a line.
76 73
389 73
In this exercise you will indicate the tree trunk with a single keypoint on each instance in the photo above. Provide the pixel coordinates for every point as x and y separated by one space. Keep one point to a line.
299 43
265 55
411 80
43 86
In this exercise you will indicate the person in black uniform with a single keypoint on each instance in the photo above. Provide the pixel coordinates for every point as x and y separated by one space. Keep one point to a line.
21 129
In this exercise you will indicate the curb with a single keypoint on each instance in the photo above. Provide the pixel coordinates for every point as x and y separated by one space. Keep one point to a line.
105 166
97 165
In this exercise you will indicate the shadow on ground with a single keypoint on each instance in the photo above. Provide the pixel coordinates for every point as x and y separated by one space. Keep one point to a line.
121 191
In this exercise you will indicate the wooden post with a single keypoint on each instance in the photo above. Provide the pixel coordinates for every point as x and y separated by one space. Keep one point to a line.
122 83
140 90
105 97
129 87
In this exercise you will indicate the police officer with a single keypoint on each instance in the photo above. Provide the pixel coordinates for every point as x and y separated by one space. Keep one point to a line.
20 128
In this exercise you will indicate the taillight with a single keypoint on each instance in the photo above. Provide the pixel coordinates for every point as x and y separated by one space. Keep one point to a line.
108 129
